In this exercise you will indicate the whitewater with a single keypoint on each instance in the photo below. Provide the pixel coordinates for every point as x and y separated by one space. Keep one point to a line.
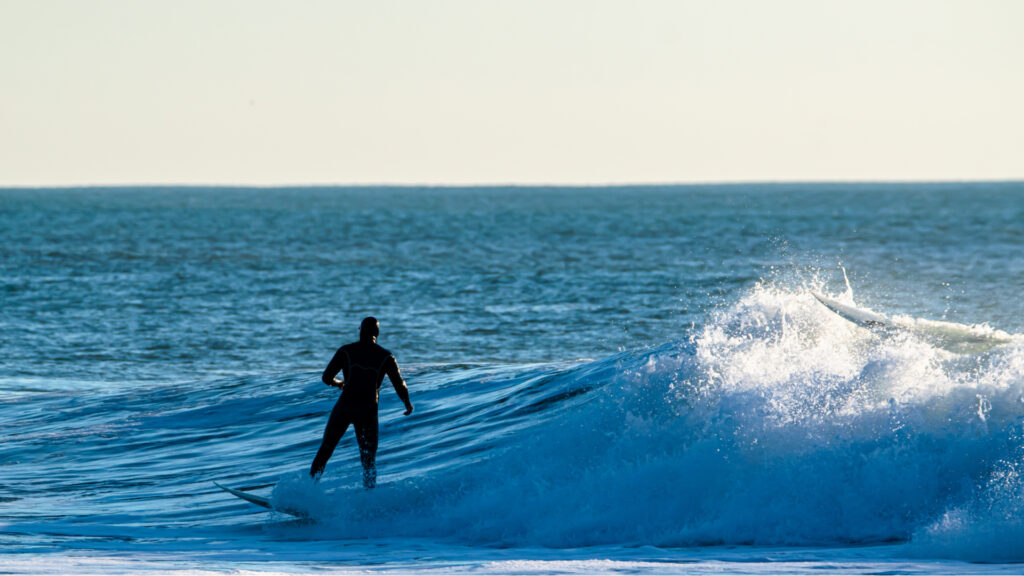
753 430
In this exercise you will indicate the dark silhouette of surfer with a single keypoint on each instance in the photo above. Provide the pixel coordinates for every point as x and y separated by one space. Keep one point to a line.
364 364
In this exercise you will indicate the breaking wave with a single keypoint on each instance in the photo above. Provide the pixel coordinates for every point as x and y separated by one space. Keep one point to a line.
777 422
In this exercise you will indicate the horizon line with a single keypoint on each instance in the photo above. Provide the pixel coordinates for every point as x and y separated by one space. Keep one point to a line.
495 185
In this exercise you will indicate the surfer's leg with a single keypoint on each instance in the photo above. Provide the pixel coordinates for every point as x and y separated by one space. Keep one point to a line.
366 435
336 426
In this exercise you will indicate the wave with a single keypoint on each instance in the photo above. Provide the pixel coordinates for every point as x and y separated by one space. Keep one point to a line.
777 422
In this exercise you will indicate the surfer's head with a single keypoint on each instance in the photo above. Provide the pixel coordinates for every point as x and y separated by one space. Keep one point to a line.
369 329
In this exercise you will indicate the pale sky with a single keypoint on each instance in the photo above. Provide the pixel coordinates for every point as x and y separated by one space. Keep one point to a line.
471 92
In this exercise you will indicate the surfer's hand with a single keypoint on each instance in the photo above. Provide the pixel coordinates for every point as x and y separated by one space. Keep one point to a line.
339 384
408 408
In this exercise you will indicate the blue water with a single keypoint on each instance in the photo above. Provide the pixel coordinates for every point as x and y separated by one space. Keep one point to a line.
632 379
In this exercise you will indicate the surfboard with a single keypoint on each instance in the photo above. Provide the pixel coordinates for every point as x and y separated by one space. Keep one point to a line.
856 315
260 501
958 338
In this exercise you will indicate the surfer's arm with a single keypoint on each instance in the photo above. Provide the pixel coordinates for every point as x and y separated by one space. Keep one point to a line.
335 366
395 375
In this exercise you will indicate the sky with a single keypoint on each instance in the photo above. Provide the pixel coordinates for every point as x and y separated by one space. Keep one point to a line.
261 92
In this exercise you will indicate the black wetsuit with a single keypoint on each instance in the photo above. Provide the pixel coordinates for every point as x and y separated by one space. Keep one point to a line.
364 365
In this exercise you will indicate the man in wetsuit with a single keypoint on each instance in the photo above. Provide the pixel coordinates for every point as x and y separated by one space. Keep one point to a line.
364 364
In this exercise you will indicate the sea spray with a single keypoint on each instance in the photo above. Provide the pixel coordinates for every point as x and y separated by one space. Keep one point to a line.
989 527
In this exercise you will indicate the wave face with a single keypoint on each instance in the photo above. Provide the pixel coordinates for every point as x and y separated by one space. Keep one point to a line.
775 423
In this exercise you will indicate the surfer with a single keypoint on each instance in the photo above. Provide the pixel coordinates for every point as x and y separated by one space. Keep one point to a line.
363 364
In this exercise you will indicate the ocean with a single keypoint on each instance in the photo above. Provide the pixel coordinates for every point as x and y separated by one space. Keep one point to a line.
633 379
